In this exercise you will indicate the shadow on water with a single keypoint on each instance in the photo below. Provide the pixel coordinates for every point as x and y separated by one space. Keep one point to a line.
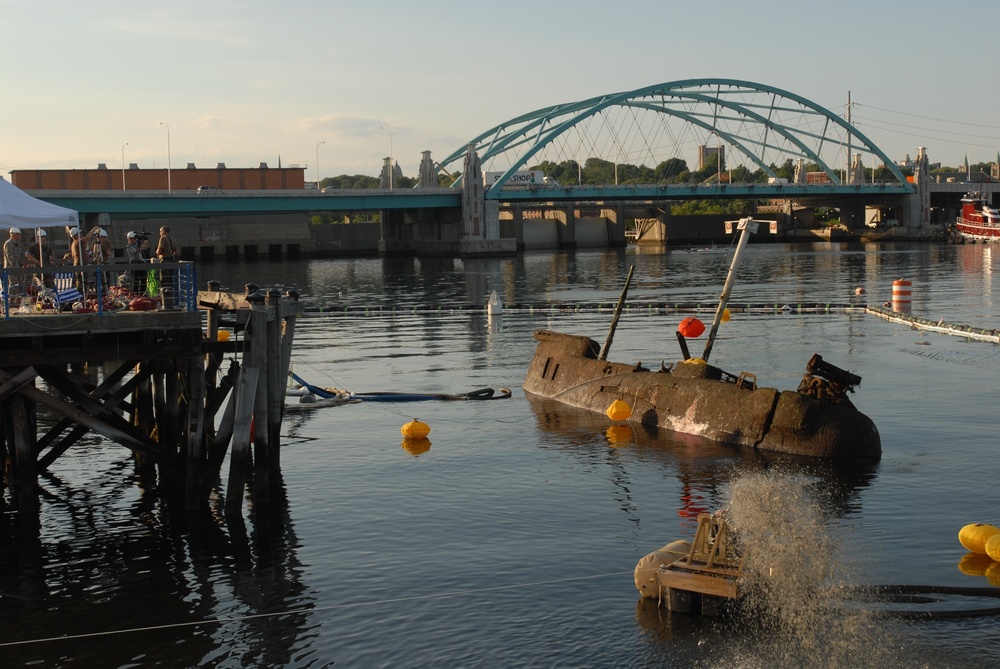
120 575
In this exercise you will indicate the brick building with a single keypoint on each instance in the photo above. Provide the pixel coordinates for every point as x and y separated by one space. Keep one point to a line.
187 178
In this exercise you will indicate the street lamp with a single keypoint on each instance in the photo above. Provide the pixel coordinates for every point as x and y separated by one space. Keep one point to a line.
169 188
390 154
317 163
123 164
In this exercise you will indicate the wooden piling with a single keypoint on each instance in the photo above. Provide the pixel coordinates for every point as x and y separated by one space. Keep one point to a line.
239 466
276 384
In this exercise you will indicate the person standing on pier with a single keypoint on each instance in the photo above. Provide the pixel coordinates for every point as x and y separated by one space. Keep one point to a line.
80 252
166 251
133 279
101 252
13 250
79 248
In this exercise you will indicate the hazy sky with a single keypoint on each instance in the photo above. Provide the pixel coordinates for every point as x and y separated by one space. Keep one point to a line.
249 82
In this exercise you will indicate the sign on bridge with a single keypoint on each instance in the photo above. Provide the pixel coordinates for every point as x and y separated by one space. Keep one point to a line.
519 178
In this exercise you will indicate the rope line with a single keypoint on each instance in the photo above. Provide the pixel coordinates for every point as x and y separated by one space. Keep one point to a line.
598 307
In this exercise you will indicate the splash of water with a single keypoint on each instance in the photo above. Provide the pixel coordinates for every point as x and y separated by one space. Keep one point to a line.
793 571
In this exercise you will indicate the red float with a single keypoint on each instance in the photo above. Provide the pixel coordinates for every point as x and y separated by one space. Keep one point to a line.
691 327
142 304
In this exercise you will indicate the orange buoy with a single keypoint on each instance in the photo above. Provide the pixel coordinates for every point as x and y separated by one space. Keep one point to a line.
691 327
222 335
619 410
415 429
993 547
901 293
975 536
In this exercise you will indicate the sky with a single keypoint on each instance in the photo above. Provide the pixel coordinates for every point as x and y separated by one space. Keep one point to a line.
337 86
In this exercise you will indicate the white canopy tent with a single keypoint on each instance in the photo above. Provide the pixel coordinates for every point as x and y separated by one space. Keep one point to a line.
20 210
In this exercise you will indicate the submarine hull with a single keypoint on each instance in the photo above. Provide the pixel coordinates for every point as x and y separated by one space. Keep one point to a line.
700 399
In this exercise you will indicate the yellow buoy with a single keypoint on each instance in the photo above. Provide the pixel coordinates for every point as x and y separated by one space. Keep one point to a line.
416 445
725 315
222 335
975 536
415 429
619 410
993 547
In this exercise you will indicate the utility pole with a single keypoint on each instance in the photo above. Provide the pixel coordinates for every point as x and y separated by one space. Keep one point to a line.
849 171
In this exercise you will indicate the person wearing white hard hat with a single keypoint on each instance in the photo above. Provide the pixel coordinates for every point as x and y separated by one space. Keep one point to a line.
101 251
79 250
79 246
135 252
13 250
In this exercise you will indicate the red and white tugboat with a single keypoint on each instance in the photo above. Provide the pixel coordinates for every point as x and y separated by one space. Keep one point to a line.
979 220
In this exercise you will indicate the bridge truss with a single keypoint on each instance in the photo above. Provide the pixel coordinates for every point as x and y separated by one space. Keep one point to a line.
751 124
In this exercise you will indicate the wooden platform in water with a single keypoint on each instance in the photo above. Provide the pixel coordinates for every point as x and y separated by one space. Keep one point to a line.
159 388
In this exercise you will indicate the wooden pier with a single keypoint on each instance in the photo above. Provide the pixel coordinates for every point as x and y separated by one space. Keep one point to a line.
152 382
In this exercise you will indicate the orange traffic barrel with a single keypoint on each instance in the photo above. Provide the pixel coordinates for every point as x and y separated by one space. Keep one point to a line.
901 292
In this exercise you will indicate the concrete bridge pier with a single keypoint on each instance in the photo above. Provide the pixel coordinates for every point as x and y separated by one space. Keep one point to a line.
480 217
852 215
614 218
565 227
652 230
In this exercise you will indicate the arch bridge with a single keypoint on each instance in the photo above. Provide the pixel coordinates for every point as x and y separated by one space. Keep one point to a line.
650 134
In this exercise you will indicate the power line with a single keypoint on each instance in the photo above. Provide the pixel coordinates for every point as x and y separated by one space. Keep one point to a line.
928 118
958 138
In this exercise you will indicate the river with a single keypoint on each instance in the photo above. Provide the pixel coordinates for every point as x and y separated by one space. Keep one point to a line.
510 539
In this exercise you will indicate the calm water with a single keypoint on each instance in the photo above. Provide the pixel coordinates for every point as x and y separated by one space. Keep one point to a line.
511 541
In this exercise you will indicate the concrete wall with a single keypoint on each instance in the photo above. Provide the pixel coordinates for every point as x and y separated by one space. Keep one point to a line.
275 237
591 233
541 234
349 239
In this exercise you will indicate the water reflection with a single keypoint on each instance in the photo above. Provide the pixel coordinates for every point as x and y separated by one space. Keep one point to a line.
702 467
119 558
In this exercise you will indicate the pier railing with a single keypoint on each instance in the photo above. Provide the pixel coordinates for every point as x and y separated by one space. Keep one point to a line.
100 289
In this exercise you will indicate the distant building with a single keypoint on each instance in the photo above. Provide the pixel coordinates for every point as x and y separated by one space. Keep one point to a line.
909 164
706 152
220 177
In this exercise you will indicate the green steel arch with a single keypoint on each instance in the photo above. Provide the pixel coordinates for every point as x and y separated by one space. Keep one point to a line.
766 125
